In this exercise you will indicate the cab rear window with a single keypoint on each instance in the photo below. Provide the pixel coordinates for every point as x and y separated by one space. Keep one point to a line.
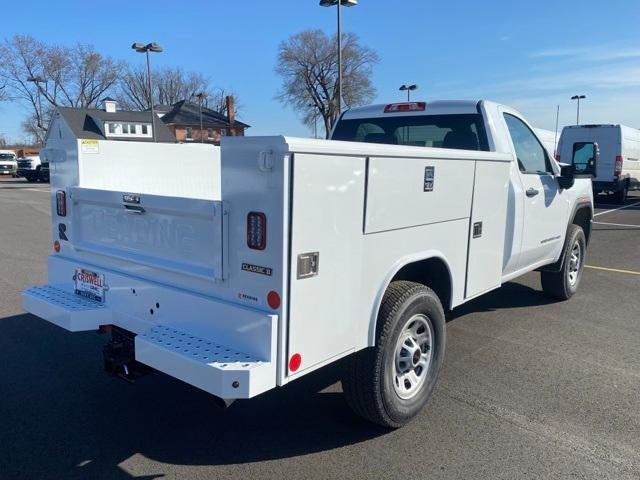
461 131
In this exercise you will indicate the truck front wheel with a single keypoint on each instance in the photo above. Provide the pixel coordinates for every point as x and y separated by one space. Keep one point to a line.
564 283
390 383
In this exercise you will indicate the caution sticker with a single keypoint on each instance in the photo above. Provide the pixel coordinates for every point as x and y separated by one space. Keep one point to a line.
89 146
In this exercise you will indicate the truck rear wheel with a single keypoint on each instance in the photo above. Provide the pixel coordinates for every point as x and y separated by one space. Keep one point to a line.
564 283
389 383
621 195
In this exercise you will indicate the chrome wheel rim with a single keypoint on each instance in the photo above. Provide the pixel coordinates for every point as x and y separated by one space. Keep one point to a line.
574 264
412 358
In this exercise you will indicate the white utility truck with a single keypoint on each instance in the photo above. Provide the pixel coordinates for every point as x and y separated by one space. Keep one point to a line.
619 166
312 250
8 163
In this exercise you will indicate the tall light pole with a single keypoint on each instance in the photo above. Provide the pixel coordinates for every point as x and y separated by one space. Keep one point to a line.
578 98
142 48
339 4
409 89
315 119
200 97
38 80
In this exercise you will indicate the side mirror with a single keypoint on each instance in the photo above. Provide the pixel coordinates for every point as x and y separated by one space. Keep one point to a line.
567 176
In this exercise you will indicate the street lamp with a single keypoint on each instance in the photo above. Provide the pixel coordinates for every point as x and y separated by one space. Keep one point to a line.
38 80
409 89
578 98
315 118
339 4
142 48
200 97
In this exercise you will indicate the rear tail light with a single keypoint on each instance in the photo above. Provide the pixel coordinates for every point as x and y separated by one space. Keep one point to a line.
256 230
557 157
618 168
405 107
273 299
61 203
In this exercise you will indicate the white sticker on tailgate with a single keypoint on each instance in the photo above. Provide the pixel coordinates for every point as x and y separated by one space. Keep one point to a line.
89 284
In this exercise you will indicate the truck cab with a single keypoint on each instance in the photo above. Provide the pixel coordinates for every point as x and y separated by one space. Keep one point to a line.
30 167
8 163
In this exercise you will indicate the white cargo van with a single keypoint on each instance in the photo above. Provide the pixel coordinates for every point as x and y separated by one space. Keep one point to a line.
549 139
311 250
619 165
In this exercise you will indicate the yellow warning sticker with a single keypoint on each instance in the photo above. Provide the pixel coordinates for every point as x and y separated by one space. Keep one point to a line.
89 146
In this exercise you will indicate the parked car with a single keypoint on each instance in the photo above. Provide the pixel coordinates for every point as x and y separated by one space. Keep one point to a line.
30 168
619 165
8 163
312 251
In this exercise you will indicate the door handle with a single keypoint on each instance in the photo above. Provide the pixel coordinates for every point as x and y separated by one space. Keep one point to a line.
532 192
134 209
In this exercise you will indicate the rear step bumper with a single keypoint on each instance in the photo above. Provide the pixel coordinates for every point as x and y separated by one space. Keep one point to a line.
213 367
67 310
207 359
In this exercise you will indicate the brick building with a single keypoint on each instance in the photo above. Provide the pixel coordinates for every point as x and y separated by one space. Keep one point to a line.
183 120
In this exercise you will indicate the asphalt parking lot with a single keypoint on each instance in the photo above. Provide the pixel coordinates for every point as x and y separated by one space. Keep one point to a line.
530 388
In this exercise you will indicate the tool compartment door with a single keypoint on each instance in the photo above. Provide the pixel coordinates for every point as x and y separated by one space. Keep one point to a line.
487 227
327 208
181 235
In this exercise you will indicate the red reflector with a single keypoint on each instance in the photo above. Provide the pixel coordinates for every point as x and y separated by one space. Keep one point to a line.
257 230
295 361
618 167
273 299
405 107
61 203
56 246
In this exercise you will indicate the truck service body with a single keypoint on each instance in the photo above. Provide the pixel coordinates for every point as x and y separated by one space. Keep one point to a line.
308 251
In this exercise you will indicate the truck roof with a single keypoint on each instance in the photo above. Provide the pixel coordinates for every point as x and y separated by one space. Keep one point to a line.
593 125
436 107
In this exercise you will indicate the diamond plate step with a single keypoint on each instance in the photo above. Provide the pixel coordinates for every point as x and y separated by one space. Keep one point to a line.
216 368
65 309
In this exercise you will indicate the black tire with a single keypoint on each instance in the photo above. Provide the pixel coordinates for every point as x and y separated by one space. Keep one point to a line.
559 285
369 380
621 195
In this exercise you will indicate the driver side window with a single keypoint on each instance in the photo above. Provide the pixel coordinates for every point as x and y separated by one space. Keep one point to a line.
532 156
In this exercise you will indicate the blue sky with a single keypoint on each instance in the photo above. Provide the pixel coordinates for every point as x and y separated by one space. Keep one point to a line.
530 55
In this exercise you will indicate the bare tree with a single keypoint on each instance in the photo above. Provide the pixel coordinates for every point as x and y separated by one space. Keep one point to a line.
307 63
170 85
75 76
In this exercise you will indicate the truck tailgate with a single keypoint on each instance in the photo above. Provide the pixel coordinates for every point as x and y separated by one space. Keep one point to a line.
177 234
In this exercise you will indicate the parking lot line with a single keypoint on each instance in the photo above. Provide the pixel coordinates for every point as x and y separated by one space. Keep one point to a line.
616 270
616 209
617 224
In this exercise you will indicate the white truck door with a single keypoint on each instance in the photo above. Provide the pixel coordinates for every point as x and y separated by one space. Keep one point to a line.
544 205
